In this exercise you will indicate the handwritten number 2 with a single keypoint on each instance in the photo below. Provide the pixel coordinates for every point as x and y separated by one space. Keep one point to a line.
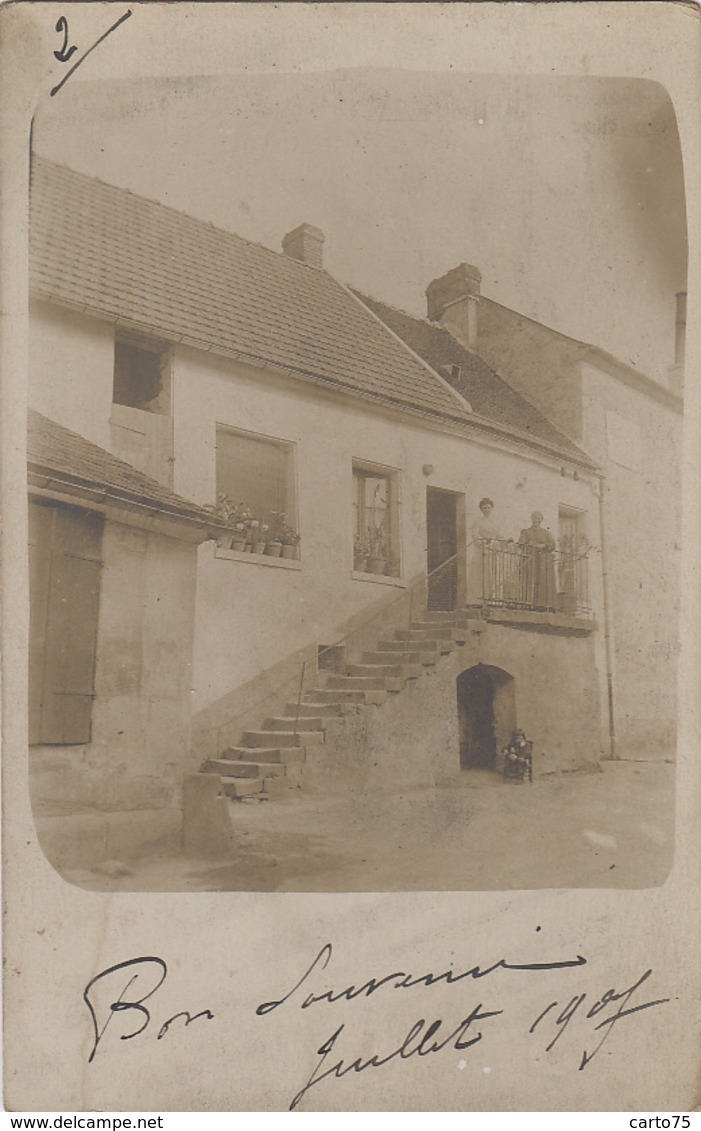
65 52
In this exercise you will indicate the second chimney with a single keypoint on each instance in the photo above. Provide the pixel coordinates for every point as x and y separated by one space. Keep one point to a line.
453 300
305 243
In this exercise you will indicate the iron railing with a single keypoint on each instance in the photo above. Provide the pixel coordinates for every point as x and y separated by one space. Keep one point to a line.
442 586
513 577
416 598
533 578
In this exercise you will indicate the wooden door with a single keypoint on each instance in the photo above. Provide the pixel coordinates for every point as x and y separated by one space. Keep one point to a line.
441 526
65 565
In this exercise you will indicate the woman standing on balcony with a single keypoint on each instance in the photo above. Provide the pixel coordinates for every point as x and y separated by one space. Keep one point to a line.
481 561
538 590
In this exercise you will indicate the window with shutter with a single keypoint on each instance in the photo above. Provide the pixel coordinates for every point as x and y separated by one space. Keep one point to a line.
258 472
65 545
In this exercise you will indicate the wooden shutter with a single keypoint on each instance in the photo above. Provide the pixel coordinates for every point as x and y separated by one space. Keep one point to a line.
254 472
65 569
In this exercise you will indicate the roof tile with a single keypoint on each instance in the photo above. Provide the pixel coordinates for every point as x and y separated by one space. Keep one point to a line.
54 449
489 394
106 249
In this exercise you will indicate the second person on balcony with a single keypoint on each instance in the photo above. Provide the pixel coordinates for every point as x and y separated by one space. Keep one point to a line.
538 587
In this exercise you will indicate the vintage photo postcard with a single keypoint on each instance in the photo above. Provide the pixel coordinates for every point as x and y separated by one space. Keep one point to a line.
350 576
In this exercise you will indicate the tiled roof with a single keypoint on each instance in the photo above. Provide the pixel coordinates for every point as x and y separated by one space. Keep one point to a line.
53 450
104 249
489 395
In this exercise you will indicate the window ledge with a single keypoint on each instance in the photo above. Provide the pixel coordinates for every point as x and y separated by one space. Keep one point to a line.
378 578
257 559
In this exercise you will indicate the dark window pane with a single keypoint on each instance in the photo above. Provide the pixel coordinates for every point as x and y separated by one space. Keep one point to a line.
138 379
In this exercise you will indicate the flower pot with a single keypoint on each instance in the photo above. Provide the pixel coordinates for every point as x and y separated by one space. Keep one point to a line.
376 565
238 544
224 542
258 548
273 549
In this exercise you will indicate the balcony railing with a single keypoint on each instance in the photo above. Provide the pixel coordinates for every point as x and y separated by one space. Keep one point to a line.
533 578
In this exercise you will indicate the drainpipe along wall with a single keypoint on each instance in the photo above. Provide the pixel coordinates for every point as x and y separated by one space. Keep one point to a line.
607 624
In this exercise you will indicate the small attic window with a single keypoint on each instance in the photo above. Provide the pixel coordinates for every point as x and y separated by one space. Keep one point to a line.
141 376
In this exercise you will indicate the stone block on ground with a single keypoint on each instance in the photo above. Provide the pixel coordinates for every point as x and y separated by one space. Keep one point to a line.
207 827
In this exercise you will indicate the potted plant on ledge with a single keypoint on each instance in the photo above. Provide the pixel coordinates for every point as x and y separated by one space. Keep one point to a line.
237 517
378 552
290 542
276 530
257 534
360 555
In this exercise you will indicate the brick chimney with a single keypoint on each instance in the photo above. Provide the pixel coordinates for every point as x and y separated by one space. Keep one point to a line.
305 243
453 300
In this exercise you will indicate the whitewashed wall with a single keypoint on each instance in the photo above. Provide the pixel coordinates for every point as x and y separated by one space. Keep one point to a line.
252 615
638 441
71 366
249 614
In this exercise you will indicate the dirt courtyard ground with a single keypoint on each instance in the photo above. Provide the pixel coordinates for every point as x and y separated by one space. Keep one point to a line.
609 829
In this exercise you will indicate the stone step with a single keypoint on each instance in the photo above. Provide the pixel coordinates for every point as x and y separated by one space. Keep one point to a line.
281 738
364 683
240 769
264 754
409 646
425 658
300 725
430 635
242 787
314 707
429 627
279 787
388 671
339 698
469 620
433 615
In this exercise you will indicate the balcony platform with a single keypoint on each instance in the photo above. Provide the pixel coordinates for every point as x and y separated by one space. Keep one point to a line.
527 618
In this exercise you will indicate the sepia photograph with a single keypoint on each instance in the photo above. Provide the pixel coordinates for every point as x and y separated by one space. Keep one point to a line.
355 410
350 613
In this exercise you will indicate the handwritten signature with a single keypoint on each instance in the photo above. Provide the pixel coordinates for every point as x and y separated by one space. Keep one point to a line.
401 980
610 997
145 975
127 986
419 1041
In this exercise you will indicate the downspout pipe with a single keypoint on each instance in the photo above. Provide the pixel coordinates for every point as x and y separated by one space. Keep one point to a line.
608 642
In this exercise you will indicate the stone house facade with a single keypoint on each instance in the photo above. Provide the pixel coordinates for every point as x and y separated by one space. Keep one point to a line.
631 425
216 367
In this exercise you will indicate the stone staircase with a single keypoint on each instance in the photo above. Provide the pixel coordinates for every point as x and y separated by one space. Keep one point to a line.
267 762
